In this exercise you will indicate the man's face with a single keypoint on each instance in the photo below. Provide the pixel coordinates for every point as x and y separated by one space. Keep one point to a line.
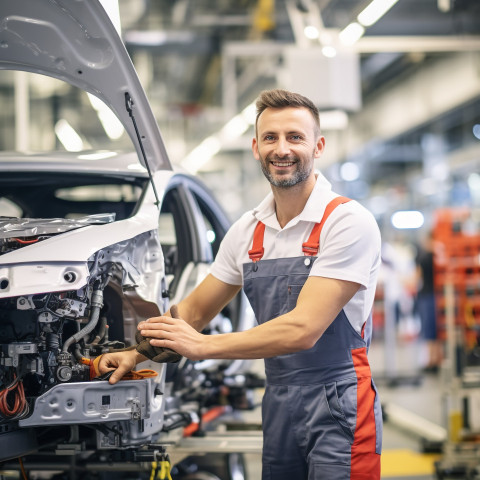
286 145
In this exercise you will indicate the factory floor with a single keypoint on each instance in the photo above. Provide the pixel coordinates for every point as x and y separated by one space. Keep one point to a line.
413 400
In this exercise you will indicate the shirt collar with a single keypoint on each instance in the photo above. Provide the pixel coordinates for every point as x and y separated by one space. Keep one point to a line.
316 203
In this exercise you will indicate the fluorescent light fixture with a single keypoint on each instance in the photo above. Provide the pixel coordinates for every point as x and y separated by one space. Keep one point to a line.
349 171
156 38
234 128
249 113
351 33
404 219
110 123
68 137
311 32
374 11
200 155
329 51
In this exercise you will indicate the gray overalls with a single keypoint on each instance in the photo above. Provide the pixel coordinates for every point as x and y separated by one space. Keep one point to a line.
321 414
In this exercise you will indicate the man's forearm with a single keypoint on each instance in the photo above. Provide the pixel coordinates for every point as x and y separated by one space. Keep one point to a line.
280 336
200 306
190 315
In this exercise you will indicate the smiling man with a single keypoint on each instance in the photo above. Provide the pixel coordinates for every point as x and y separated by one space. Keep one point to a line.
308 260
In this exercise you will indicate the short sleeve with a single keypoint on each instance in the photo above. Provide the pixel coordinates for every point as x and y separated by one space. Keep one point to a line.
226 266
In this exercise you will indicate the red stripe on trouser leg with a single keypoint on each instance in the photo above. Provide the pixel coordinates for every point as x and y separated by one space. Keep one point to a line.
365 462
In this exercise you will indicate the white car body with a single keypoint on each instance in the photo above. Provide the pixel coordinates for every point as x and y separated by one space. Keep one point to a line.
70 274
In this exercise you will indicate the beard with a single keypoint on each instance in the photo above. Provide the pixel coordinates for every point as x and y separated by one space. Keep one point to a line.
301 173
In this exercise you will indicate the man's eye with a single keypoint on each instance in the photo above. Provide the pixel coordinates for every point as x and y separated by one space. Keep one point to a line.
296 137
269 138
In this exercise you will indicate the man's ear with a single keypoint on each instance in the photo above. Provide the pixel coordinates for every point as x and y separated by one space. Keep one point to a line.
320 146
255 148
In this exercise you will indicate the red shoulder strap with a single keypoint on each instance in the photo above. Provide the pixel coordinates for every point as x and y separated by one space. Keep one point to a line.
256 253
310 247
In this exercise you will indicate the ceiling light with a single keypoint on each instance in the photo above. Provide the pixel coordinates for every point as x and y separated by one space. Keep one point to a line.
404 219
200 155
234 128
249 113
351 33
110 122
374 11
311 32
68 137
329 51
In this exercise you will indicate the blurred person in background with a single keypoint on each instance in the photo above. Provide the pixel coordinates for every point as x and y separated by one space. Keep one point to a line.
425 302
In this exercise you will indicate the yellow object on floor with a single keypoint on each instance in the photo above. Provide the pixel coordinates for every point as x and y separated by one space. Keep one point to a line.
396 463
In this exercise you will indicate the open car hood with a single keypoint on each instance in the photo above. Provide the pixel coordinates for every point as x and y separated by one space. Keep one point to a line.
76 42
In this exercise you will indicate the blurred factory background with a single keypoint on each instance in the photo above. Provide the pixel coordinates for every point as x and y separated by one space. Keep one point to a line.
398 86
399 95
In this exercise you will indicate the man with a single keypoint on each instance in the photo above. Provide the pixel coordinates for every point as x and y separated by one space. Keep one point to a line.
424 276
321 414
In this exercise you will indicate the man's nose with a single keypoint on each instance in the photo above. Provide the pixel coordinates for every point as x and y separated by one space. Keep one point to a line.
282 147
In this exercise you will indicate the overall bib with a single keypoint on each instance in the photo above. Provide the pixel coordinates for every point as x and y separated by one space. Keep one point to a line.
321 415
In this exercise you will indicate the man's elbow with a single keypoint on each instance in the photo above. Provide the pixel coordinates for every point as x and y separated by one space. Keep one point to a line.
305 340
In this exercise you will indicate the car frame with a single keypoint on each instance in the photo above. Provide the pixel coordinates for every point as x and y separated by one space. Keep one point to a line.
77 276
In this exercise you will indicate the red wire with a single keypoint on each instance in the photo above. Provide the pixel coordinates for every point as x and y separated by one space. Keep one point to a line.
210 415
26 241
19 401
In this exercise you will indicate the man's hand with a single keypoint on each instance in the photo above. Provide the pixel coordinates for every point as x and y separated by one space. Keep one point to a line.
175 334
157 354
121 362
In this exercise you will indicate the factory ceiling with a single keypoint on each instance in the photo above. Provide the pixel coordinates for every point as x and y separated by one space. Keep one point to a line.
211 59
193 33
415 91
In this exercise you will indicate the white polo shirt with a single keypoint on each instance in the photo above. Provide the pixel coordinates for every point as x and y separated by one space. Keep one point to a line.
349 245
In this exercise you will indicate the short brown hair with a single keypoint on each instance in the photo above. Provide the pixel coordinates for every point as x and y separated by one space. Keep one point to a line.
278 98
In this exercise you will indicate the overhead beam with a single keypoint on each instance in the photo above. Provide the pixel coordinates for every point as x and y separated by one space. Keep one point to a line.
425 44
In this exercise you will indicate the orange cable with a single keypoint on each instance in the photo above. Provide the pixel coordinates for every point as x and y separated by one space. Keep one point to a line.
22 468
19 401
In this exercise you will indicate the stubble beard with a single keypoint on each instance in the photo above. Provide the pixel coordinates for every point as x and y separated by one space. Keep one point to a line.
301 173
